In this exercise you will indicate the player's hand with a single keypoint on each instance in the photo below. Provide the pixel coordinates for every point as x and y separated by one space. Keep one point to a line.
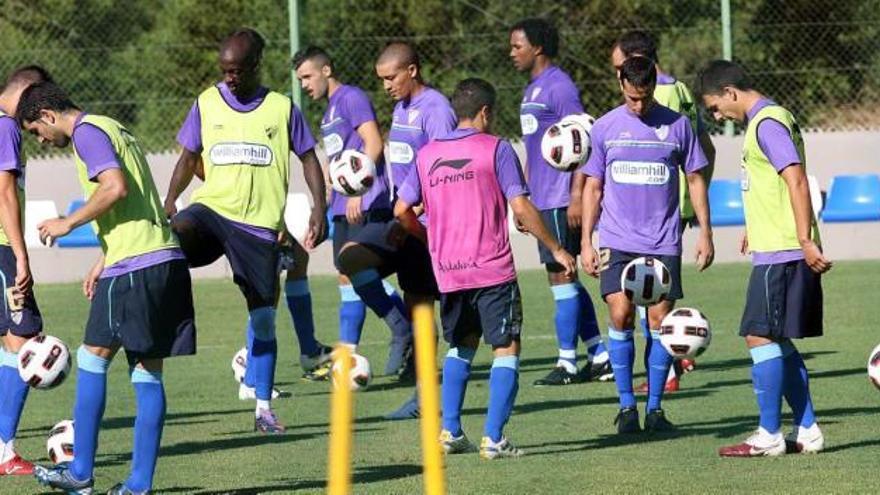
561 256
815 259
90 283
744 244
575 214
418 209
170 207
23 279
520 227
353 212
52 229
590 260
317 232
705 251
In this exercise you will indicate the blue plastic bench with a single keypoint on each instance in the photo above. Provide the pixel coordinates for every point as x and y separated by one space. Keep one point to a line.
725 203
853 198
82 236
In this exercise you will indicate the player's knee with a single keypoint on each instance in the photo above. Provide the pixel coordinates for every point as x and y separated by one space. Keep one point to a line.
348 260
263 323
556 274
621 317
151 375
93 359
12 343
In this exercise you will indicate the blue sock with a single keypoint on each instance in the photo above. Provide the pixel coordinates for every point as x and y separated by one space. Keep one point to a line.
568 308
395 297
91 395
649 339
658 368
588 325
622 352
264 351
456 371
352 314
796 386
767 377
250 371
150 396
503 385
299 302
13 393
368 285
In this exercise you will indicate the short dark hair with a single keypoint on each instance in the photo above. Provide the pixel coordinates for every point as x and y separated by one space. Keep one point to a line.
27 75
638 42
539 32
42 96
403 52
639 71
470 96
256 41
719 74
315 54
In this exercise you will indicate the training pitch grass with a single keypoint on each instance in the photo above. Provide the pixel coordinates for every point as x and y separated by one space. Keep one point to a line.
567 432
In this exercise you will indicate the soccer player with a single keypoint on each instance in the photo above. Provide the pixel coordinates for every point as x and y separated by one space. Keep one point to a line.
140 290
784 298
421 114
242 134
19 317
465 181
550 96
675 95
632 190
349 122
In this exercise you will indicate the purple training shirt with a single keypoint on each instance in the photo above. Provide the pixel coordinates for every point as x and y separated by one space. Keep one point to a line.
10 146
349 108
548 98
638 159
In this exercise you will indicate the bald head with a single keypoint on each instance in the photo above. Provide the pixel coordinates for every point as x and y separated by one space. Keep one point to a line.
240 56
400 53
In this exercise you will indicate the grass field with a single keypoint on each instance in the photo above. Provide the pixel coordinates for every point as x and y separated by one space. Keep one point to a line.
208 446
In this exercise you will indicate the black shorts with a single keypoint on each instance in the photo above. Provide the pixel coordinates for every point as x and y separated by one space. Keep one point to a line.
556 221
369 233
784 300
148 311
26 322
205 236
494 312
609 279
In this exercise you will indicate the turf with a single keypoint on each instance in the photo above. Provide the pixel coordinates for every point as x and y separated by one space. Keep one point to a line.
208 446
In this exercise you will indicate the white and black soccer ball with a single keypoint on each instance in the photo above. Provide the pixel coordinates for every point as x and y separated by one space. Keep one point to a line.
44 362
685 333
566 144
59 445
352 173
239 364
359 376
645 281
874 367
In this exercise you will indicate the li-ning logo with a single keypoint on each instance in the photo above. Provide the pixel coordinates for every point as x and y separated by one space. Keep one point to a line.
450 178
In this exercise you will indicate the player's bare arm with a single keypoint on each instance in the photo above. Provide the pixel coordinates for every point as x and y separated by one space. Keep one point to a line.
10 220
315 182
409 220
709 150
111 188
799 194
591 200
705 253
187 165
575 206
91 281
527 215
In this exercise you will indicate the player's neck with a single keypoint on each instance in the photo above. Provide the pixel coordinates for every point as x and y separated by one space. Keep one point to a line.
541 64
6 105
332 86
67 121
749 99
418 87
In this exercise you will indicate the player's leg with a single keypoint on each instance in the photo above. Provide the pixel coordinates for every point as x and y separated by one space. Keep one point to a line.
299 302
460 330
352 310
149 391
659 364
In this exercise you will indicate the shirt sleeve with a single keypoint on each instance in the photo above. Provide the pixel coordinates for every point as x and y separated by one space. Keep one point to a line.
190 134
439 121
775 141
566 100
10 146
411 189
595 166
359 109
301 139
95 149
509 171
692 157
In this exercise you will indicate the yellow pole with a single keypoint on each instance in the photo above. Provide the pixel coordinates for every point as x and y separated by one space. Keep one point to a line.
429 398
341 411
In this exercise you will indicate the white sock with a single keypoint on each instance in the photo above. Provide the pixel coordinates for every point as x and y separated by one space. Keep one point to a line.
671 373
601 358
566 357
263 405
7 450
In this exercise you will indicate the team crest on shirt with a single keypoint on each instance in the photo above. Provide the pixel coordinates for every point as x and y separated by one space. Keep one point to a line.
662 132
625 135
271 131
16 316
536 92
412 115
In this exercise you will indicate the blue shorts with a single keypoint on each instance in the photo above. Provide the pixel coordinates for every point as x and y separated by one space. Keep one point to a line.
494 312
24 323
784 301
556 221
205 236
148 311
369 232
609 279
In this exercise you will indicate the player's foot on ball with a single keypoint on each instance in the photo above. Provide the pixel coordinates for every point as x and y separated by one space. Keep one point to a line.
672 385
496 450
596 372
121 489
805 440
409 410
250 393
267 422
656 422
398 352
627 421
16 467
59 477
310 362
558 376
456 445
319 374
760 444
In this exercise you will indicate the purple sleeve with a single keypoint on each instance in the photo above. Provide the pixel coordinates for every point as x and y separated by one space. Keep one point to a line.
439 121
693 158
301 140
10 145
411 189
95 149
509 171
595 166
775 141
566 100
190 134
359 110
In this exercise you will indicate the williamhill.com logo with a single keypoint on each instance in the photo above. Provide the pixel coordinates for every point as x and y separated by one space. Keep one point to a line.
450 178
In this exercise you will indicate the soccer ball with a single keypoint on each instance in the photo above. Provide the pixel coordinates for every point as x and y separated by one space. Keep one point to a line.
566 144
645 281
44 362
874 367
685 333
60 442
352 173
360 374
584 119
239 365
